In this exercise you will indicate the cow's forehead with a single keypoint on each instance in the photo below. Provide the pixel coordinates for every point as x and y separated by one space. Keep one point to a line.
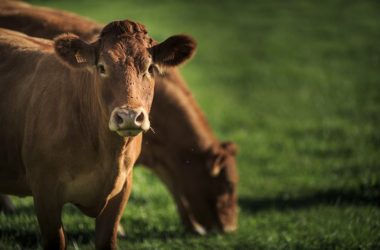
125 51
126 33
126 42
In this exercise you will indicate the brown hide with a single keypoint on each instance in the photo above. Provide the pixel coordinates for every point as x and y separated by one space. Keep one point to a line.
57 109
199 171
46 22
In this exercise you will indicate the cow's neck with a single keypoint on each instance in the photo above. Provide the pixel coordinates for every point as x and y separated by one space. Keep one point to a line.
101 151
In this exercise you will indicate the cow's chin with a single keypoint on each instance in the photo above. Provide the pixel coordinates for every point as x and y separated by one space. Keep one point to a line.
128 132
198 228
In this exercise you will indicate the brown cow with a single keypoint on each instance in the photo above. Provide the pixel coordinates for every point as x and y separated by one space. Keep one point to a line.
201 175
197 158
72 114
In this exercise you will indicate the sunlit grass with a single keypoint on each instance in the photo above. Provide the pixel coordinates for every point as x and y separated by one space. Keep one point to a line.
297 85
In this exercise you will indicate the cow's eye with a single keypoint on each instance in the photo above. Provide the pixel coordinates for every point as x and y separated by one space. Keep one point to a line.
101 69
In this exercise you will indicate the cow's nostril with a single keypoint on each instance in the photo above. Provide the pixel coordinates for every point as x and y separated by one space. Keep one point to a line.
118 119
140 118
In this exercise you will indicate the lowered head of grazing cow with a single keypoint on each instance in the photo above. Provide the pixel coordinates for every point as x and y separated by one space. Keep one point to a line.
125 60
211 203
204 187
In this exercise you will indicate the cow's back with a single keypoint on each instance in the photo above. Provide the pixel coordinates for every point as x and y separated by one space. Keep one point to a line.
44 22
20 57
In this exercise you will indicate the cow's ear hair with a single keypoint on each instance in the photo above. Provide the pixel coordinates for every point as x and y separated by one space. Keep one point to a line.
219 155
174 50
217 164
230 147
216 156
74 51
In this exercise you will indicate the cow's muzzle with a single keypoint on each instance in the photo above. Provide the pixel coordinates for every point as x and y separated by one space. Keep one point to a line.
129 122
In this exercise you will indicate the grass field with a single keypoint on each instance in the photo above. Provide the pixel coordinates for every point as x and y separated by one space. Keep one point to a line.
297 85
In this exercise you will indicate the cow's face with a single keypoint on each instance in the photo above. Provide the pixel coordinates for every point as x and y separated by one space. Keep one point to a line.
124 61
205 188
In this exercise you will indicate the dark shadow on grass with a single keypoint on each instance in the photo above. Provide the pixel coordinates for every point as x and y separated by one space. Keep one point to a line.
134 234
31 239
28 238
25 238
162 235
363 195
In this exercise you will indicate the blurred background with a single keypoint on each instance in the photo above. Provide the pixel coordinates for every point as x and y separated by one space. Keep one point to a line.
296 84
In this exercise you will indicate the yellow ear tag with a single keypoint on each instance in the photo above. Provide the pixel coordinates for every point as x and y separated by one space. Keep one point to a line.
80 58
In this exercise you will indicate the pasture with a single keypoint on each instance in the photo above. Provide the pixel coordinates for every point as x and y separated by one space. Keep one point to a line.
296 84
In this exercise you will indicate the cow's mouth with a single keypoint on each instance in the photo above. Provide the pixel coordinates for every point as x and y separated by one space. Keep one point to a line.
219 220
129 132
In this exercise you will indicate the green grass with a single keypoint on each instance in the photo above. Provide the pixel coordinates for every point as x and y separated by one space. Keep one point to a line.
297 85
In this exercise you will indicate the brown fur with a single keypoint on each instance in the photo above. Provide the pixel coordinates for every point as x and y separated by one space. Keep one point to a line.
46 22
199 171
54 111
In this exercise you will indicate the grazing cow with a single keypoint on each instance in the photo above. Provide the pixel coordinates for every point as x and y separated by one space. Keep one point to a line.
201 175
72 114
199 171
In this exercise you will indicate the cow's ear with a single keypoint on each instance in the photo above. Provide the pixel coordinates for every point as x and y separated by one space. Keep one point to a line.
220 155
174 50
217 164
230 147
74 51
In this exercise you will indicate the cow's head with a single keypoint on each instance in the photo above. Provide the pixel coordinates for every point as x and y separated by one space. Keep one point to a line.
124 61
204 187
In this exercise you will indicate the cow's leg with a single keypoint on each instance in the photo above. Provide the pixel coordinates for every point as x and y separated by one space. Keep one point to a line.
48 211
6 205
107 222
